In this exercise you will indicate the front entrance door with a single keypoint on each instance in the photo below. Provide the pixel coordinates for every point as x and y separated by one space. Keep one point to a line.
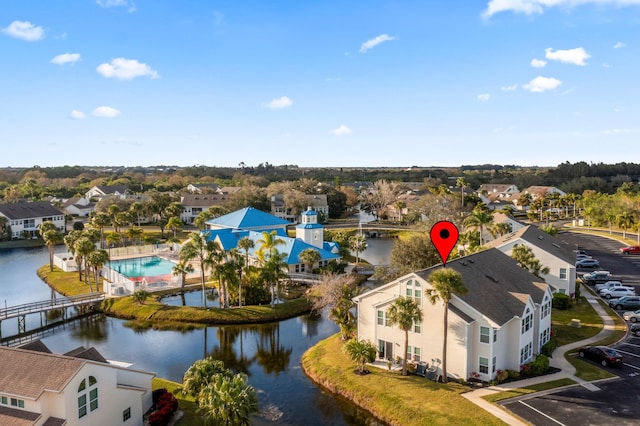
385 350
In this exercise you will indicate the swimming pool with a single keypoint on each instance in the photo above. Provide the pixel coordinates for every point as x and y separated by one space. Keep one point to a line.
143 267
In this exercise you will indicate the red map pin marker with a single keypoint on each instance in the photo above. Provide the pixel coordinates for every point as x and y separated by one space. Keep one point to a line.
444 236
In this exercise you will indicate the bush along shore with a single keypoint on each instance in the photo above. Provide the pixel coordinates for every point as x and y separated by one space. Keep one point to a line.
153 313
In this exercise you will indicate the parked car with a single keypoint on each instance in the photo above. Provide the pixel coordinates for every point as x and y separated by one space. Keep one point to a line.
625 302
635 330
601 354
587 264
583 256
591 277
630 250
608 284
610 293
633 316
579 252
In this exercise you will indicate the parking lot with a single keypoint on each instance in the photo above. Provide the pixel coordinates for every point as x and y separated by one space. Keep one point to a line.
611 402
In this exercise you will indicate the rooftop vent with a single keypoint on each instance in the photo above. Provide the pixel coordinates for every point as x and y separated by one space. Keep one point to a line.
491 278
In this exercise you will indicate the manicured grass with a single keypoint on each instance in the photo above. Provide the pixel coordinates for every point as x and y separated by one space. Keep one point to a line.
498 396
185 402
590 322
65 283
391 397
154 313
587 371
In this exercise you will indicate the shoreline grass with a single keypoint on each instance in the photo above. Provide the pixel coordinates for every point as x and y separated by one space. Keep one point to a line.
392 398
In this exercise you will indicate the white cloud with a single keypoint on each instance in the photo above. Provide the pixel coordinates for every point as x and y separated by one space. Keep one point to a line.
509 88
341 131
126 69
117 3
77 115
279 103
24 30
370 44
483 97
575 56
618 45
542 84
105 111
530 7
617 131
538 63
65 58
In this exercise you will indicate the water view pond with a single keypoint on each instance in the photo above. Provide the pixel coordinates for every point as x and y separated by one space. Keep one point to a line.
268 353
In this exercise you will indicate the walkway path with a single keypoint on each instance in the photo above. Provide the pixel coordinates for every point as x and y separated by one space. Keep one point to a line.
558 360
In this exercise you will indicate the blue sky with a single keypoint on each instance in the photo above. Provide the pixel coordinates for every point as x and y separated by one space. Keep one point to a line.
319 83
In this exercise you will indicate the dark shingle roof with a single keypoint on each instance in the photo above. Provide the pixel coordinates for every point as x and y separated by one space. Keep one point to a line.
29 210
15 417
534 236
497 287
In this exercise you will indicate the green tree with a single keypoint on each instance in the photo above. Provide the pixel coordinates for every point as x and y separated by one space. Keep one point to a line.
462 183
135 233
228 401
404 312
625 221
445 283
181 269
479 218
335 293
197 248
51 237
358 243
200 374
83 246
96 260
361 352
174 224
271 260
245 244
524 256
309 257
100 220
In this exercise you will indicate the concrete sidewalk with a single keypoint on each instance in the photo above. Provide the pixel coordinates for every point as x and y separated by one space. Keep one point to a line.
557 360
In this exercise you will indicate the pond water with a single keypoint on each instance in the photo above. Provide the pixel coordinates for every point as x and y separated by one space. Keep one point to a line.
268 353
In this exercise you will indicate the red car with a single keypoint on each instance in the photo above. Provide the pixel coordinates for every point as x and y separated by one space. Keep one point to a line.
630 250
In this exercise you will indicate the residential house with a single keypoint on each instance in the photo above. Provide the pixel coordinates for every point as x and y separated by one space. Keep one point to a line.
196 203
498 196
203 188
499 217
78 206
501 323
550 251
227 230
102 191
317 202
542 191
39 388
24 218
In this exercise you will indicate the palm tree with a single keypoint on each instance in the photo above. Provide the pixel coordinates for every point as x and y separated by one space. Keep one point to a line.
404 312
135 233
51 237
498 229
228 401
200 374
181 269
462 183
96 259
70 241
358 243
113 212
445 283
245 244
174 224
137 209
198 248
478 218
84 246
625 221
362 352
309 257
99 220
524 256
271 260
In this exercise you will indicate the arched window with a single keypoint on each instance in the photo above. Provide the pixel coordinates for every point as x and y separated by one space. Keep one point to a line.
87 390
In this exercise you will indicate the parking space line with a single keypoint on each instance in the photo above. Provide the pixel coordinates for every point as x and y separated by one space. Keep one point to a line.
628 353
540 412
631 365
630 344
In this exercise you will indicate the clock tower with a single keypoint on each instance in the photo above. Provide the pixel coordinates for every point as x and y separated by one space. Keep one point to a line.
309 230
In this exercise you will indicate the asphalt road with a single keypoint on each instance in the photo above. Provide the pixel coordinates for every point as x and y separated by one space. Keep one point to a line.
614 402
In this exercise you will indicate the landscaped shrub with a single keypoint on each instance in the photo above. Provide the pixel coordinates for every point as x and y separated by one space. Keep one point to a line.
166 405
502 375
539 366
549 347
513 374
561 301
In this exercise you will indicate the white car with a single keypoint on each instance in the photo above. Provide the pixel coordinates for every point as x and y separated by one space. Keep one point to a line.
608 284
609 293
632 316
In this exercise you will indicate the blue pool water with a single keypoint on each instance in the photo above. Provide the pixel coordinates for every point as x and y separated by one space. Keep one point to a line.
139 267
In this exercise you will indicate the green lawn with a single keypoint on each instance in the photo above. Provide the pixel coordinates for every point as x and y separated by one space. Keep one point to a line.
590 321
499 396
391 397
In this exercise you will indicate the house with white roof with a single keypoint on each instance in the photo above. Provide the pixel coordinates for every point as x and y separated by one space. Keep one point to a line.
24 218
497 196
78 206
550 251
39 388
249 222
501 323
101 191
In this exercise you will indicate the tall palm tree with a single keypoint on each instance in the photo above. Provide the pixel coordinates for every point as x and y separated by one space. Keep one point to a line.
137 209
245 244
478 219
51 237
198 248
445 283
462 183
84 246
523 254
174 224
135 233
625 221
70 241
181 269
100 220
96 260
309 257
404 312
271 260
358 243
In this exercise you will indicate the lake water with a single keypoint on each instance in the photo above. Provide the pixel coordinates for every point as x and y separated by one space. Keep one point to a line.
268 353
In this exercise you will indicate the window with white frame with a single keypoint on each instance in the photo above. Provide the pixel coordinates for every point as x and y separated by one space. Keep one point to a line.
484 365
382 318
414 291
414 353
563 274
545 336
87 395
126 414
493 364
495 335
527 321
484 334
526 352
417 326
545 311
